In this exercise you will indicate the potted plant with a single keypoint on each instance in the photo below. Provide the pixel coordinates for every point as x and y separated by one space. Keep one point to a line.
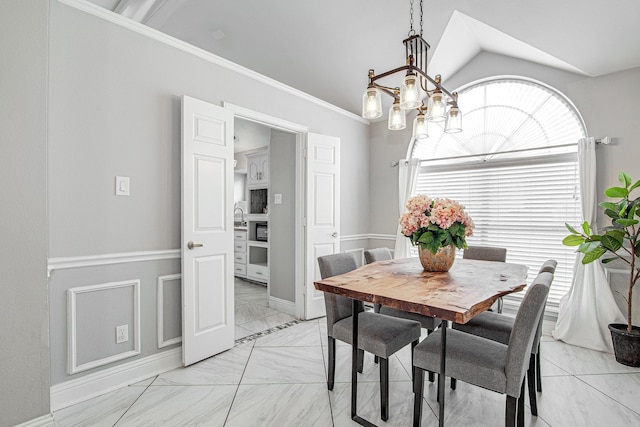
621 242
437 227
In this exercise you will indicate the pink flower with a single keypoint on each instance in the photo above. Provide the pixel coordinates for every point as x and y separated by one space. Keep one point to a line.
423 211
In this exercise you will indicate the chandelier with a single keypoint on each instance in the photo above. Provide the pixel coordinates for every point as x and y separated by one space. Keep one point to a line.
442 105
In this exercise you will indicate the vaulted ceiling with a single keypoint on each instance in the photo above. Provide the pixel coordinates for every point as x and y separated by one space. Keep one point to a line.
325 48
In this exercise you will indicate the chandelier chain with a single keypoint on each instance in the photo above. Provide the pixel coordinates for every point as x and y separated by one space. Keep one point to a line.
411 31
420 18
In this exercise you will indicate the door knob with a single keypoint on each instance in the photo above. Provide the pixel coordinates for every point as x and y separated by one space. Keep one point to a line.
335 234
192 245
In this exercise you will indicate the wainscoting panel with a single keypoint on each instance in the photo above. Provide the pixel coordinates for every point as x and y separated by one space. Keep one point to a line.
94 312
169 310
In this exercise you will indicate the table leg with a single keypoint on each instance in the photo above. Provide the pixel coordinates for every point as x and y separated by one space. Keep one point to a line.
354 367
442 378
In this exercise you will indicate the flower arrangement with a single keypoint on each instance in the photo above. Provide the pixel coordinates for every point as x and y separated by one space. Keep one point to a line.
436 223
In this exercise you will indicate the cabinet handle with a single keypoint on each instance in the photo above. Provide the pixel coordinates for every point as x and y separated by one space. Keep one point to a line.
259 273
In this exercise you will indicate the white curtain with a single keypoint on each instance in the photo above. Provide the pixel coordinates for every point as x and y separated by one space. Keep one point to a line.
588 308
407 174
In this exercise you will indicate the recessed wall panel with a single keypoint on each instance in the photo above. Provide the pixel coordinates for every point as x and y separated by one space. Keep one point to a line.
324 214
324 154
209 200
210 295
208 130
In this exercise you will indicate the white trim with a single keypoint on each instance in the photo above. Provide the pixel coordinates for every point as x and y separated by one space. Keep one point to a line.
89 386
282 305
367 236
160 311
72 357
43 421
106 259
265 119
139 28
382 236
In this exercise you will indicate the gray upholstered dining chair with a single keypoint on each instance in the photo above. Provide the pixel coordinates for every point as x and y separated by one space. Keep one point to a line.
483 362
487 253
498 327
377 334
429 323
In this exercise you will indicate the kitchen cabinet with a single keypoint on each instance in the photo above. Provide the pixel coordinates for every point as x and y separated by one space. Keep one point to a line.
240 252
258 168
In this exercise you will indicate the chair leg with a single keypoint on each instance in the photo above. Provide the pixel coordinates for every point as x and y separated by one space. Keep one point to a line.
510 412
384 389
332 362
454 382
538 370
531 385
521 406
418 391
375 359
360 360
413 346
432 377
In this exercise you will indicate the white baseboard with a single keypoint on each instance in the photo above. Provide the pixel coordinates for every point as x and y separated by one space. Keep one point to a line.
282 305
89 386
43 421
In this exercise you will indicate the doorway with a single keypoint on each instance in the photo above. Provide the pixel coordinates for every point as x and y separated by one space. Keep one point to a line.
264 234
287 149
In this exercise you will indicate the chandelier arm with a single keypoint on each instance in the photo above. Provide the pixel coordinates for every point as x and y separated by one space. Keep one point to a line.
436 84
388 90
395 70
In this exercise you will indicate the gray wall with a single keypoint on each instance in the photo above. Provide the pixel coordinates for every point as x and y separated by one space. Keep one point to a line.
282 180
115 110
24 352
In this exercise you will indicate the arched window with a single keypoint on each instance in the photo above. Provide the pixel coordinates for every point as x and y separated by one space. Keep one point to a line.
515 169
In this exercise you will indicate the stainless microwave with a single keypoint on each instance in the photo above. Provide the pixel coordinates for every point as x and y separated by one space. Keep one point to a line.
262 232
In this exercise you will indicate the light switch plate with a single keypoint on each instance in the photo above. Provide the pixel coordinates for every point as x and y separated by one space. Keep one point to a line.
278 199
122 185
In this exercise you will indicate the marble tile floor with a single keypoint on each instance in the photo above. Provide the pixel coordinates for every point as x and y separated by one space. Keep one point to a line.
278 380
252 311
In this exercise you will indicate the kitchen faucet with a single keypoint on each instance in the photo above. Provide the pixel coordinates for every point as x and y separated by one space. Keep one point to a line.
241 215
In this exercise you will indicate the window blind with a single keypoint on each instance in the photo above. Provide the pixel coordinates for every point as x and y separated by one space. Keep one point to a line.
520 205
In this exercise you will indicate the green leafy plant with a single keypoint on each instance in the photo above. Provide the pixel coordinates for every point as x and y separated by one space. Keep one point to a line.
620 239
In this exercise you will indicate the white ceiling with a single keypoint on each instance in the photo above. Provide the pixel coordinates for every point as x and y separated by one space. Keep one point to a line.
325 48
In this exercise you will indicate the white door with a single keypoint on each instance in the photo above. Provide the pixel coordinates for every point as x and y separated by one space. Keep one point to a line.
323 212
207 230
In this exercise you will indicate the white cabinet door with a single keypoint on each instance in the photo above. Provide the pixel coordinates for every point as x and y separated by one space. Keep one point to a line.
258 169
207 230
323 212
253 171
264 168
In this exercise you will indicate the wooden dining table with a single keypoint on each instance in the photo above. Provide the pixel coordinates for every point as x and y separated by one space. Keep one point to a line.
469 288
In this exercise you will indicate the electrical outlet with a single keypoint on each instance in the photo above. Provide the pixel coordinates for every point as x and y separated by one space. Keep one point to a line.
122 334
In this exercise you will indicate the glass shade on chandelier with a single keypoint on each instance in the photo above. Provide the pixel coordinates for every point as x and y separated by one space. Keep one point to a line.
410 92
454 121
371 104
436 108
397 117
416 85
420 127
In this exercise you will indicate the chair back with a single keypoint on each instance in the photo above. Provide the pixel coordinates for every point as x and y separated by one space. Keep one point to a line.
524 331
485 253
378 254
337 307
548 267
